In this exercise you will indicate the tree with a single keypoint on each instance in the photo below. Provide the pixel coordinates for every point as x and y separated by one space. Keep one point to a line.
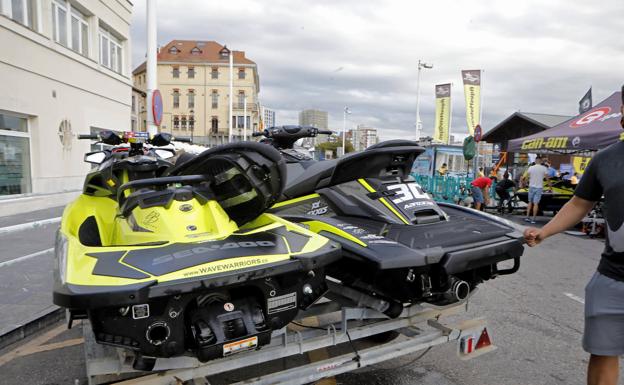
333 147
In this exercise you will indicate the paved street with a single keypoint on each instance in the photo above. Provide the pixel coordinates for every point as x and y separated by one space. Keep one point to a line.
535 317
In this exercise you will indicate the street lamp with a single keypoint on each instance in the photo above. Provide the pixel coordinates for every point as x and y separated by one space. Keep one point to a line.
421 65
344 129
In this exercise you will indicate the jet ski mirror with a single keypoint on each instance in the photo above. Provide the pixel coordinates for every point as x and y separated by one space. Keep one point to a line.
96 157
164 153
110 137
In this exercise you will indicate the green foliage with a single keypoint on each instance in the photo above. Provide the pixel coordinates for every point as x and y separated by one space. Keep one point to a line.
333 146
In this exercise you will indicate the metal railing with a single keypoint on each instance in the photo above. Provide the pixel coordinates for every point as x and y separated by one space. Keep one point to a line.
451 189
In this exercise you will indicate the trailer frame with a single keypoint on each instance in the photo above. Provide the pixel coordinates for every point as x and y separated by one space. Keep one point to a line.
341 323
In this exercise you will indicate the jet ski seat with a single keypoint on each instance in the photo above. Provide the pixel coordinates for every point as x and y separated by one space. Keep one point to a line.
308 180
393 143
394 158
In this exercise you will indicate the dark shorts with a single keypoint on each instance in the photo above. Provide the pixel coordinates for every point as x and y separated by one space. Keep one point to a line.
502 194
604 316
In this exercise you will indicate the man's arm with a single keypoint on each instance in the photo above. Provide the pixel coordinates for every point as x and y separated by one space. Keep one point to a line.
570 214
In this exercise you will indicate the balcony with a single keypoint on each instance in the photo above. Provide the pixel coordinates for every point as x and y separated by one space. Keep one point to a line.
241 106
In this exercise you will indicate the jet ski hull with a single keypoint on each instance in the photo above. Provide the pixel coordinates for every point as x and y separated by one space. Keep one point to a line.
185 264
401 245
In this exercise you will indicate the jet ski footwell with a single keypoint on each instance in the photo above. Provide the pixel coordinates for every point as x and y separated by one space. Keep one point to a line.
345 321
420 263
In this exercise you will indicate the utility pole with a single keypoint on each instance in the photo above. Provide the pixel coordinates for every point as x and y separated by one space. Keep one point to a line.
151 69
421 65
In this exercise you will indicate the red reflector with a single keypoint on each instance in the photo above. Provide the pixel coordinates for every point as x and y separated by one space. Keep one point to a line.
484 340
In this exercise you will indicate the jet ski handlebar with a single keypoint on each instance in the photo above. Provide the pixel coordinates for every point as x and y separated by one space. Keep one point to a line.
111 138
286 136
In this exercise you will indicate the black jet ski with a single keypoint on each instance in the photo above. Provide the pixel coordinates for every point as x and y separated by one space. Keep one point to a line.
557 192
398 243
184 264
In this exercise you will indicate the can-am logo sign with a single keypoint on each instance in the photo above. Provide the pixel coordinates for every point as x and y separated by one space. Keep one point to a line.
598 114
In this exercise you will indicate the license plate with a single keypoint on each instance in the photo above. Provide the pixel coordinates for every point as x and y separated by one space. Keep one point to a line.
240 346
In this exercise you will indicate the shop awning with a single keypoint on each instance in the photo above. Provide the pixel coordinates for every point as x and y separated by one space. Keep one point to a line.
592 130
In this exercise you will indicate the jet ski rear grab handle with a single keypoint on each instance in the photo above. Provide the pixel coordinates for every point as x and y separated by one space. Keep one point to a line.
334 324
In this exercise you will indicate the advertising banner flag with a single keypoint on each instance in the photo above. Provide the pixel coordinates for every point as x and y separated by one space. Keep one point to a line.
472 93
442 113
585 104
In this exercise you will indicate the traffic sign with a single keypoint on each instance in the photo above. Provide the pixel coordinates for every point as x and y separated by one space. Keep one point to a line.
157 107
478 132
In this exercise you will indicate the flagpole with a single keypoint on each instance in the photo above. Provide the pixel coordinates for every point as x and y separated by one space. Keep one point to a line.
245 118
448 139
231 54
151 65
481 115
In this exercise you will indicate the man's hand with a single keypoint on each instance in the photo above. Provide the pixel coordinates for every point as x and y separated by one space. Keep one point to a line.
533 236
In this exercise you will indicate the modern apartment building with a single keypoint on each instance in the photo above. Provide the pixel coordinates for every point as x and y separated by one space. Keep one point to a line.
268 117
315 118
64 70
364 137
193 78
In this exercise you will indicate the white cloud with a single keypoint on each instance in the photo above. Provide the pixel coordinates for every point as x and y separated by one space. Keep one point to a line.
538 56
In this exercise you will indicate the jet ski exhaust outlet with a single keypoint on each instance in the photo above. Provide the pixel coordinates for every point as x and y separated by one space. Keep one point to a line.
459 290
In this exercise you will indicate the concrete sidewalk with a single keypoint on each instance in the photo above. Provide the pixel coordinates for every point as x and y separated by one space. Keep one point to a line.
27 231
20 205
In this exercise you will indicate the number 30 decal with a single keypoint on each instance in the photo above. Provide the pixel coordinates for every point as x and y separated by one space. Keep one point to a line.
407 192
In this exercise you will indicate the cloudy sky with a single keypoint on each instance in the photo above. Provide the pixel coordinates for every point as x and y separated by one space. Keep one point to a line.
538 56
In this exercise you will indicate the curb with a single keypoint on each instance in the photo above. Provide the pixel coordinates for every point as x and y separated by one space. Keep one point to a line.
23 204
29 225
40 321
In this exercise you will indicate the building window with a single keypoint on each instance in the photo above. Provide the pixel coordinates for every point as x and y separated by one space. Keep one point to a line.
79 33
14 155
241 73
59 22
176 99
241 99
175 72
215 99
191 122
191 73
195 51
191 99
241 122
78 28
214 125
176 122
174 50
22 11
111 55
214 74
133 103
224 53
183 123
